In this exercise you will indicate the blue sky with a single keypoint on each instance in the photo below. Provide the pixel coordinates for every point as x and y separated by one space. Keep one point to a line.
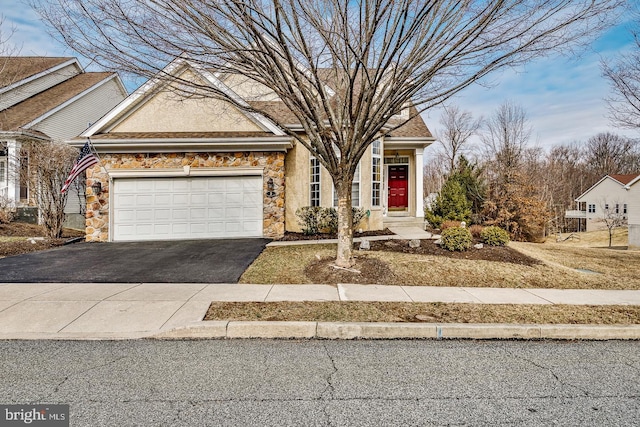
563 97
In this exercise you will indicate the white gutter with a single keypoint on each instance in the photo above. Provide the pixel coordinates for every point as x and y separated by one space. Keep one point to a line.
167 145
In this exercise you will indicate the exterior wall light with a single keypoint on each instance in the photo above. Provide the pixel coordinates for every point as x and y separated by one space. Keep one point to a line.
270 188
96 187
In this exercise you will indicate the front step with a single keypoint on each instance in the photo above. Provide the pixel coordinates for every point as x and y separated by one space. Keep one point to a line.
403 221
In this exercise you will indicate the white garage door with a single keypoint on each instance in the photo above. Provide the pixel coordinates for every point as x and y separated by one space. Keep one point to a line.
187 208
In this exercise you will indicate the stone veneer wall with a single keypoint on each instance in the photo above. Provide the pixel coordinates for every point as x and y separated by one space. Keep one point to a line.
97 221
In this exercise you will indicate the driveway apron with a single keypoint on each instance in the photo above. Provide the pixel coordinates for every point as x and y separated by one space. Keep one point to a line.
193 261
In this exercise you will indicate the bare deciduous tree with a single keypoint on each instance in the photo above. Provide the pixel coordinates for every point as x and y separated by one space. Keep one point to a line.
49 165
623 75
382 56
506 138
608 153
613 216
458 126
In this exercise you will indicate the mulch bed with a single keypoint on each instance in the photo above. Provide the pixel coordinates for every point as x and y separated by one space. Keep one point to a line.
427 247
366 271
292 237
21 229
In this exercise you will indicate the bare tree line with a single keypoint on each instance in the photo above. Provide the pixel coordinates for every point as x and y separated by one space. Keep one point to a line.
518 173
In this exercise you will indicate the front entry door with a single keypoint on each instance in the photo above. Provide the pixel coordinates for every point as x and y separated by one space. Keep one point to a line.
398 188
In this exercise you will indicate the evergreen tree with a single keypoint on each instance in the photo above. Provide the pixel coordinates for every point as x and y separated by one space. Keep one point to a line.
451 204
469 177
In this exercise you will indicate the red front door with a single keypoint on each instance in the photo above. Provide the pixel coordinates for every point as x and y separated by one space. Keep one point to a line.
398 187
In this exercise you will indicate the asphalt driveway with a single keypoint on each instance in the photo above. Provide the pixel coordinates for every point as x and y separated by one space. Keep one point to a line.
194 261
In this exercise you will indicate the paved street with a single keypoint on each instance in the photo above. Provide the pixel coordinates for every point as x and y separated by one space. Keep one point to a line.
354 383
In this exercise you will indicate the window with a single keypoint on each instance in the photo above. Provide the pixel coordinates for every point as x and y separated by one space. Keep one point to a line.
624 209
606 206
314 179
355 190
617 208
3 171
376 173
592 208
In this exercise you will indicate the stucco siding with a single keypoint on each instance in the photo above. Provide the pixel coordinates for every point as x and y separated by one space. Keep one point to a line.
170 111
298 188
248 89
74 118
38 85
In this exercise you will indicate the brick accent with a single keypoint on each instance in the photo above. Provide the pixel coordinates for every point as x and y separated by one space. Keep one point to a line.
97 221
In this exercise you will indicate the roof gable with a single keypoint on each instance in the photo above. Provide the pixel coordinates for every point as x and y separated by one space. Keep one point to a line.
155 108
605 178
17 70
33 109
624 179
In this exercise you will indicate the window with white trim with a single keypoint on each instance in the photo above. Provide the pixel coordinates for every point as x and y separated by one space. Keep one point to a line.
376 173
314 182
592 208
624 209
617 208
355 190
3 171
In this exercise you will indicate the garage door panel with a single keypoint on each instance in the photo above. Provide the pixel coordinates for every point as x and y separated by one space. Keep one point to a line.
187 208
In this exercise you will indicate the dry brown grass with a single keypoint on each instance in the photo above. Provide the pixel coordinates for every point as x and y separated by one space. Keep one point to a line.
286 265
352 311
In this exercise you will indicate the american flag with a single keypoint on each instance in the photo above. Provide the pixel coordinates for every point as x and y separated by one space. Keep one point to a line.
85 159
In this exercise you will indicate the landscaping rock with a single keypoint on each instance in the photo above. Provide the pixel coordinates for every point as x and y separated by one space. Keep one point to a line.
365 245
438 241
414 243
478 246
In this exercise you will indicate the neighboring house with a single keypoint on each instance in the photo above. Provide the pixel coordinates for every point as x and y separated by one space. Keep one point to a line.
184 167
610 193
633 188
47 99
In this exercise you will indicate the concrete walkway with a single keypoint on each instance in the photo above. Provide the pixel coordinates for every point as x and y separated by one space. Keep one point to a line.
127 311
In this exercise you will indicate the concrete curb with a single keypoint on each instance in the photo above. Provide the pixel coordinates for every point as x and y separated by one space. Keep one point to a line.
344 330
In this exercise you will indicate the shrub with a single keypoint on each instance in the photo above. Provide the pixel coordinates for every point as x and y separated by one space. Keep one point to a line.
451 204
7 211
476 231
358 215
309 219
449 224
456 239
329 220
314 219
494 236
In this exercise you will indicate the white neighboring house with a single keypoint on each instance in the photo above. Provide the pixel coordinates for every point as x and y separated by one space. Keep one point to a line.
47 99
610 193
633 188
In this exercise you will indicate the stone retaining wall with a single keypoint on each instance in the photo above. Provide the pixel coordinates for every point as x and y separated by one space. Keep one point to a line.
97 221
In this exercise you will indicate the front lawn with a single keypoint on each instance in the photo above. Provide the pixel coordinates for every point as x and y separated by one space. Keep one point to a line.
357 311
551 266
18 238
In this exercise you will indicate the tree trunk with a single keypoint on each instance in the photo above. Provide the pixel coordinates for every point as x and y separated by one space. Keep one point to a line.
345 228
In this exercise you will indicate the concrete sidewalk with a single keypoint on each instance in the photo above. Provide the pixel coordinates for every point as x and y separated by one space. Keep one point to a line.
128 311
